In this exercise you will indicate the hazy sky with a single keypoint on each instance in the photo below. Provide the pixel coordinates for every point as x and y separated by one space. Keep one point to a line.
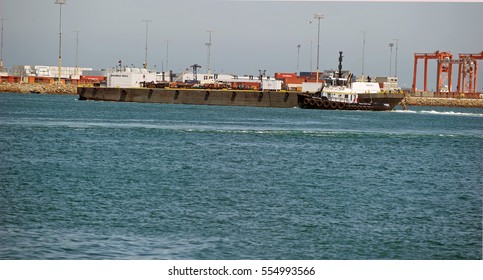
248 35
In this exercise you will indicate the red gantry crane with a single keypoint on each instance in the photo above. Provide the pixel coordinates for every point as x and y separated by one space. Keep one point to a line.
444 69
467 72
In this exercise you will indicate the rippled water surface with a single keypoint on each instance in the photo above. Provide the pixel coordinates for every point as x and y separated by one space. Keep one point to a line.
106 180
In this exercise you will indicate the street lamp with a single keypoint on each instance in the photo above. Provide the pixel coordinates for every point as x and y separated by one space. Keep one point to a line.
147 21
209 53
298 57
77 53
397 42
60 3
1 49
311 54
318 17
391 45
363 51
167 54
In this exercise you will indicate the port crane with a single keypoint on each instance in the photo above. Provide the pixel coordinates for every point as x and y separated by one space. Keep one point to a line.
467 71
444 71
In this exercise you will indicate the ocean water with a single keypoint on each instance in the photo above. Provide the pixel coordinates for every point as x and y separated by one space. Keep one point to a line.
107 180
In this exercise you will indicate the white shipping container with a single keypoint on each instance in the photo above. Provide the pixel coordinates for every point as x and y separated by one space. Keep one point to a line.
365 87
271 85
129 79
390 86
311 87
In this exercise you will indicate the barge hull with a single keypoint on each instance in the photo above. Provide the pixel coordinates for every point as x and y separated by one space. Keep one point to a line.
277 99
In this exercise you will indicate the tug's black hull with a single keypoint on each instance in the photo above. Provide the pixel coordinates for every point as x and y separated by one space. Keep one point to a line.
366 101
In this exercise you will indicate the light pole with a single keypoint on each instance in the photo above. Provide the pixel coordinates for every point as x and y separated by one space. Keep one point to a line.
1 49
363 50
311 55
167 54
298 57
318 17
209 53
397 42
391 45
60 3
77 53
147 21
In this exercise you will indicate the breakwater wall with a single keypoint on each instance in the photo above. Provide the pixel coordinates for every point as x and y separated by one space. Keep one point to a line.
443 102
38 88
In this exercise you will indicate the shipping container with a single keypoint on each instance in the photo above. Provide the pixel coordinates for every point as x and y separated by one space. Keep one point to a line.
311 87
281 76
296 80
306 74
271 85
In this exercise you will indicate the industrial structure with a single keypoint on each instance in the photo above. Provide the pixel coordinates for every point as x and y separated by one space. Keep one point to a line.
49 75
467 73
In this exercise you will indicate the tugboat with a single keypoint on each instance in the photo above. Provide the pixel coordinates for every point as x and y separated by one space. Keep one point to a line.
338 93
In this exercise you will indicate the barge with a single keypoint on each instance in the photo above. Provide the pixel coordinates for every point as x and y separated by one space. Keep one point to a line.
227 97
335 93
